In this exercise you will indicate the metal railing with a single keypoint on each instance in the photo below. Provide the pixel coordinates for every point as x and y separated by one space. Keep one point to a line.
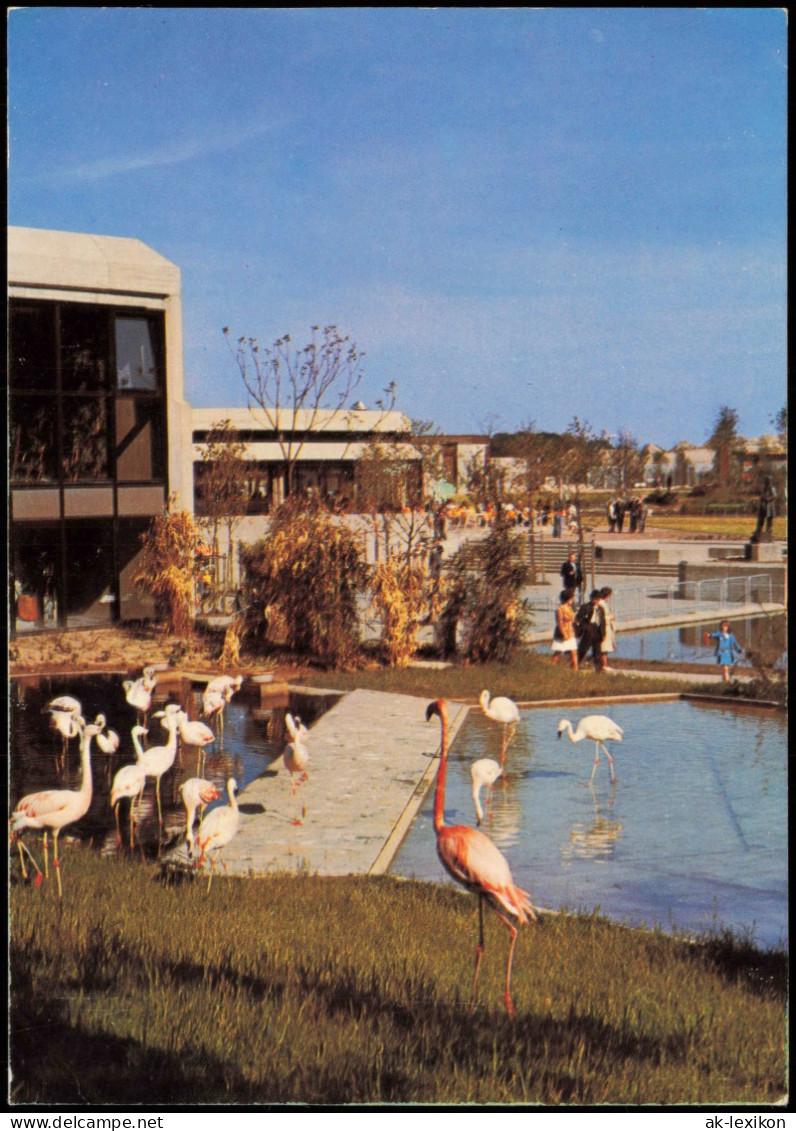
684 598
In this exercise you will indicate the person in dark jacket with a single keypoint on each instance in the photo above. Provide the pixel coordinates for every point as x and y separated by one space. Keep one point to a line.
590 628
571 573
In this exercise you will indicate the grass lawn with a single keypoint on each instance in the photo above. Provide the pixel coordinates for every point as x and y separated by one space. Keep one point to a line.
302 989
526 678
726 526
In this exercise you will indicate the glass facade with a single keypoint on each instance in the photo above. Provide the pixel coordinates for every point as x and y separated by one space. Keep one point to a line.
87 434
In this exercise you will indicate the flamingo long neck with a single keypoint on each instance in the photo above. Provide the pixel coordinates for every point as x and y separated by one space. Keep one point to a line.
477 800
85 764
576 735
233 801
439 796
139 750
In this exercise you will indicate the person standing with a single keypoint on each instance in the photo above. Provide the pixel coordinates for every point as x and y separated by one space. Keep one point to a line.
620 515
589 625
612 517
571 573
608 642
564 640
728 650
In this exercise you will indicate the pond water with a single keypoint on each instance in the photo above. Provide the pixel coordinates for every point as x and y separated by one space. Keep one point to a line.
254 738
686 644
691 837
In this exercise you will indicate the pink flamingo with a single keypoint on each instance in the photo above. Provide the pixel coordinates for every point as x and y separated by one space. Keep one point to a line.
56 808
196 794
473 860
296 757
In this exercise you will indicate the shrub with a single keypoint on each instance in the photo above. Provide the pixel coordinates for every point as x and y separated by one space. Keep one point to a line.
167 567
400 595
484 596
309 570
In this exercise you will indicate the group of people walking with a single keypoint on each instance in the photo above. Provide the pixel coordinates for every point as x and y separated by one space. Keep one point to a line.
591 628
634 510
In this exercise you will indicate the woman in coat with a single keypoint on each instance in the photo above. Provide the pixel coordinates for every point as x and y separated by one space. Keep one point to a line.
728 650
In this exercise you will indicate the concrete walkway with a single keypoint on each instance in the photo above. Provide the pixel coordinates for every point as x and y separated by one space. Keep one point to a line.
372 760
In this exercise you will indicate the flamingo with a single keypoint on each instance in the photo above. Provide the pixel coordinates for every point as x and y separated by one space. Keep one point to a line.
600 729
217 829
226 685
213 704
138 695
66 703
484 772
196 794
296 756
108 743
69 724
193 732
129 782
149 678
56 808
158 760
473 860
504 711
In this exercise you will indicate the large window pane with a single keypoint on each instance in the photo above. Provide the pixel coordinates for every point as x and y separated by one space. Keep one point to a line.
35 566
140 441
135 354
32 345
84 348
90 587
85 438
33 454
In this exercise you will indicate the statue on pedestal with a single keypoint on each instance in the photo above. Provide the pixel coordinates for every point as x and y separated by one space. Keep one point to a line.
766 510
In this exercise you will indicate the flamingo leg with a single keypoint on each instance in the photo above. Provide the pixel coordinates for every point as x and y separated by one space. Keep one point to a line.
22 861
610 759
479 950
57 863
596 760
507 992
46 866
160 815
118 830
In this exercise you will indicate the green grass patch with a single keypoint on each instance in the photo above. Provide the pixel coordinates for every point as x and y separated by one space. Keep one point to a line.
526 678
356 990
726 526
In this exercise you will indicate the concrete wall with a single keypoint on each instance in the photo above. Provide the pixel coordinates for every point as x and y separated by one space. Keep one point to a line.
706 571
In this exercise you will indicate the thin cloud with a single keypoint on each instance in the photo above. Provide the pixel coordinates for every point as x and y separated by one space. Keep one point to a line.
177 154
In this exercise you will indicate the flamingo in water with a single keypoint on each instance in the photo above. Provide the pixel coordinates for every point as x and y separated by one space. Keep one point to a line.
158 760
600 729
129 782
473 860
67 718
484 772
56 808
196 794
193 732
296 756
504 711
217 829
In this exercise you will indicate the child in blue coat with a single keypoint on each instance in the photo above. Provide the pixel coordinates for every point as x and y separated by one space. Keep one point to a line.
728 650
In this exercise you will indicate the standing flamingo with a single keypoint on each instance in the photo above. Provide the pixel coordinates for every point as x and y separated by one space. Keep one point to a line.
600 729
503 711
129 782
473 860
484 772
158 760
213 704
296 757
66 716
56 808
225 685
138 694
193 732
196 794
217 829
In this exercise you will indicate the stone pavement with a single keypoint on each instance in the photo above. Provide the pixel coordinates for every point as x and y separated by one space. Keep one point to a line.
372 761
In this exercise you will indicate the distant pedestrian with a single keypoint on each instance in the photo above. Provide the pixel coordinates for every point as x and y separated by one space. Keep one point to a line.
608 643
728 650
571 573
645 513
589 628
612 517
564 639
621 506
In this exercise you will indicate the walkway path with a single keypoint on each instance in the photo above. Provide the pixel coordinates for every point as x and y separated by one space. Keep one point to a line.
372 760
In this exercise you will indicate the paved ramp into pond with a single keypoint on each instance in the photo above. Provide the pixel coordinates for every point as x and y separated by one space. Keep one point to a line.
372 760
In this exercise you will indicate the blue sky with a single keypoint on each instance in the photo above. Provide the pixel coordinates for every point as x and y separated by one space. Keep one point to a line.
519 215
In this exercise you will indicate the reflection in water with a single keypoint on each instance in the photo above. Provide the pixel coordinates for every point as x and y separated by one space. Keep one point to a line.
597 839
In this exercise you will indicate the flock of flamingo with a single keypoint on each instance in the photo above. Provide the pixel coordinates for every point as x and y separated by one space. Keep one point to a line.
49 811
467 854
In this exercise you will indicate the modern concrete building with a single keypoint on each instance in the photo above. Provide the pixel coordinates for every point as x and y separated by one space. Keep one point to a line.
98 424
